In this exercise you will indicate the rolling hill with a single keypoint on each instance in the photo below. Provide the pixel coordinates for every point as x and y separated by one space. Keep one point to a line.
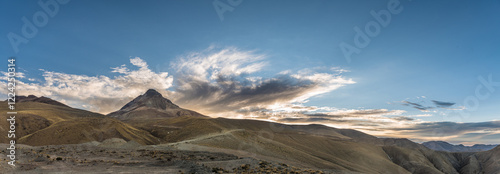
43 121
152 119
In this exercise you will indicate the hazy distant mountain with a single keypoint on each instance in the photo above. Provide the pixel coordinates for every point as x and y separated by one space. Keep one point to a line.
151 105
445 146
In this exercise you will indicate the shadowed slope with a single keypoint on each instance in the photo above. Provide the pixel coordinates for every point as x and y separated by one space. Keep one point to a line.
152 119
315 146
489 160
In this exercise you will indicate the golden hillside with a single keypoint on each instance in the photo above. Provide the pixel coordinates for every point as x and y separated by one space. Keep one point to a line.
43 124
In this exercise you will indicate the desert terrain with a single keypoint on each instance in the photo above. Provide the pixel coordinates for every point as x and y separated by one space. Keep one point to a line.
150 134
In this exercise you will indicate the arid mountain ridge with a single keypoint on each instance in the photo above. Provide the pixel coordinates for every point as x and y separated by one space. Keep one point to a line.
42 99
151 119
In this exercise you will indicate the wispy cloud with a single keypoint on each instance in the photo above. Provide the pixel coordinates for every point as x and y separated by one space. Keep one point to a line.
215 81
222 81
228 82
367 120
451 131
96 93
417 106
443 104
425 106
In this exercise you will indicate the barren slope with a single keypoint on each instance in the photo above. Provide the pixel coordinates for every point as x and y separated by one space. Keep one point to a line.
152 119
40 123
81 130
33 116
325 148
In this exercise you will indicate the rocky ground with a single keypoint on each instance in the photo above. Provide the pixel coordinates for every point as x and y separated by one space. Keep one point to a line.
118 156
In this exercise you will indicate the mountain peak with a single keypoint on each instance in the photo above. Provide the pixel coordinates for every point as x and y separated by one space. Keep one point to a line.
152 92
151 99
151 105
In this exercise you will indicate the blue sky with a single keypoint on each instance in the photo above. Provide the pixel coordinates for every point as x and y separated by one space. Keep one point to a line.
432 49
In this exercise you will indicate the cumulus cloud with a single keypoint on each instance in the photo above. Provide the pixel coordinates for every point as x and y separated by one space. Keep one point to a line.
229 82
96 93
222 82
214 81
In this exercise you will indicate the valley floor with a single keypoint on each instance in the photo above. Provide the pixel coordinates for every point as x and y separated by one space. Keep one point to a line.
119 157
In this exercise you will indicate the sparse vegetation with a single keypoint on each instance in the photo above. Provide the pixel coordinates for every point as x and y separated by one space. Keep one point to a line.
111 143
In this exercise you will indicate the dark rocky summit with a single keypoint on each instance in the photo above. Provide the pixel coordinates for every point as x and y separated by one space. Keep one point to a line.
151 105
